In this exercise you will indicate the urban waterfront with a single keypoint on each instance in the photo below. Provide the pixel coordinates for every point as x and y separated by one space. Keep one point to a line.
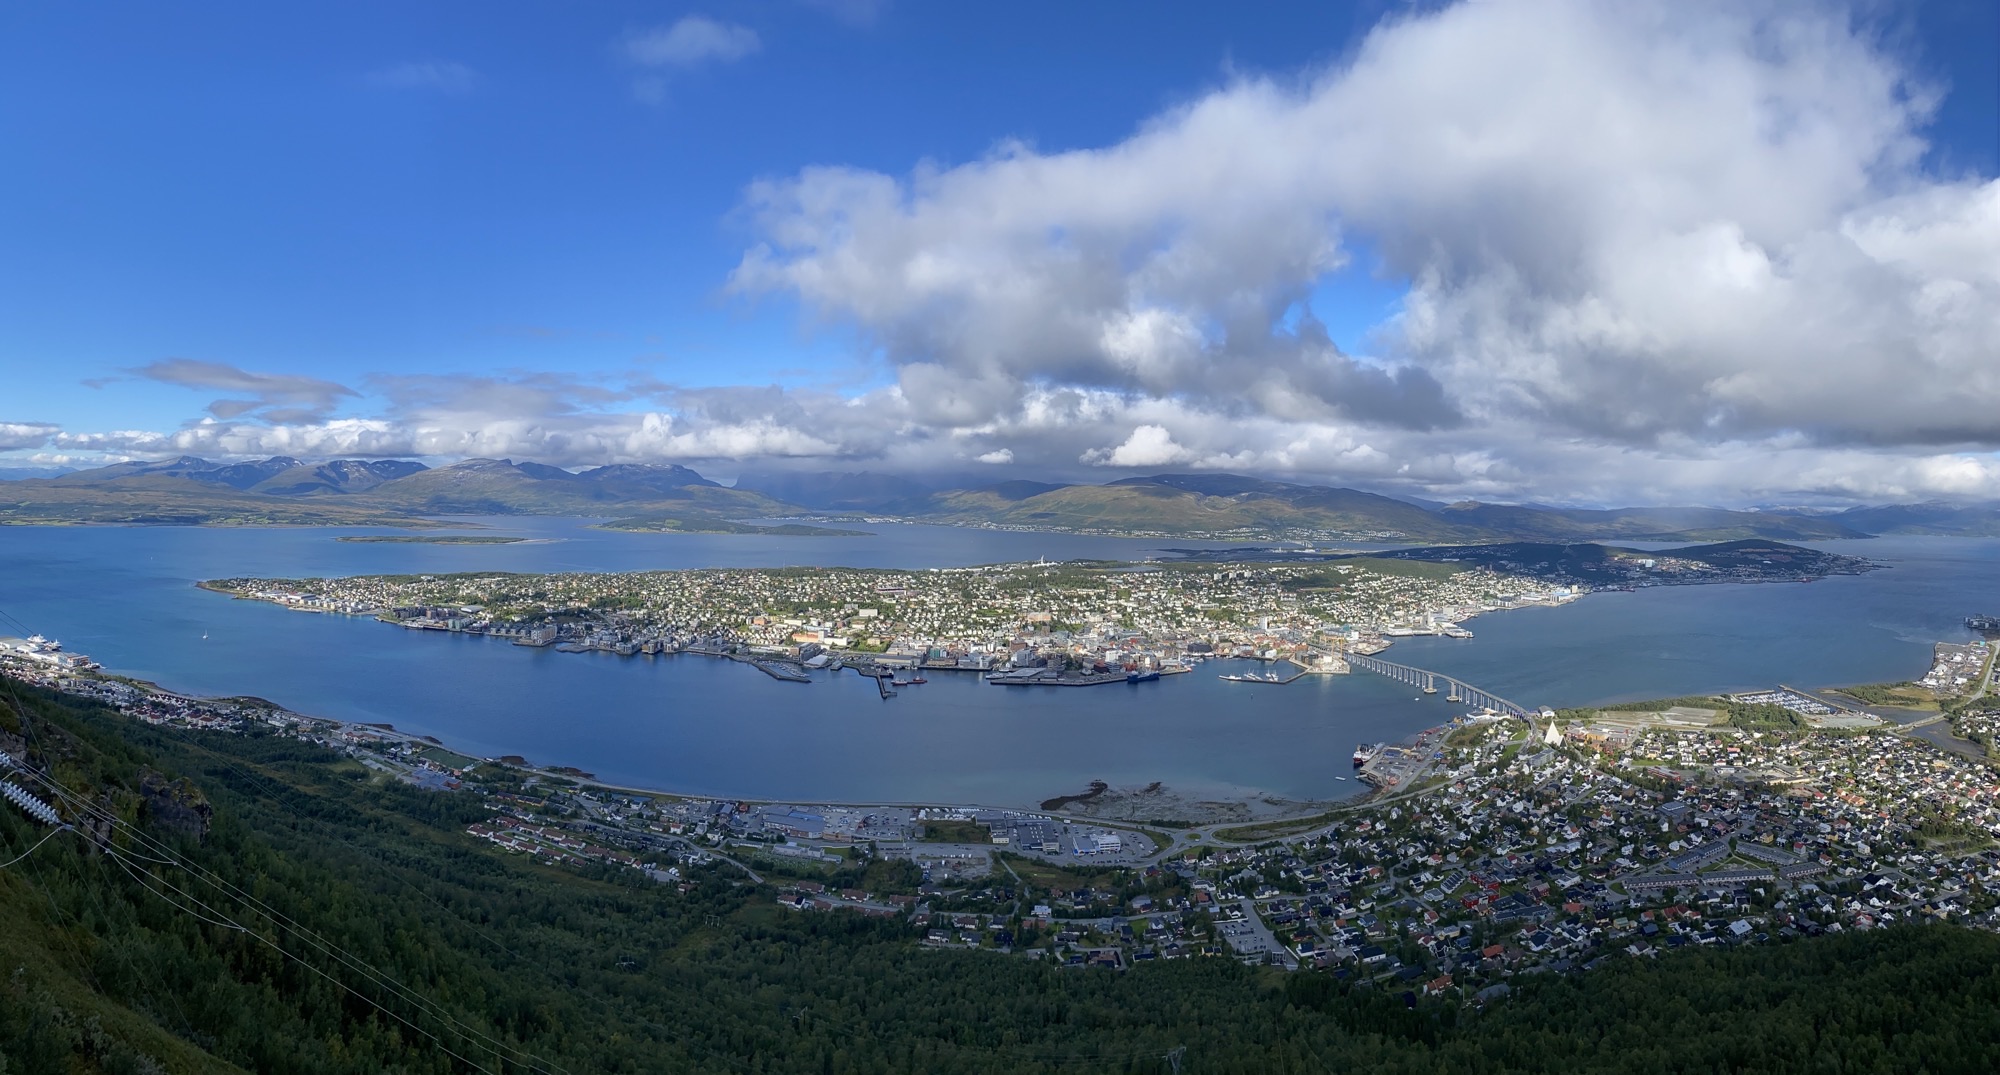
125 596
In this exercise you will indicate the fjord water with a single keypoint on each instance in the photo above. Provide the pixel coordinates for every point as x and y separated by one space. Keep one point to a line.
125 595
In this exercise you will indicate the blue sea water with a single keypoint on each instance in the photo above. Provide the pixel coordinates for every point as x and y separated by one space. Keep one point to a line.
126 596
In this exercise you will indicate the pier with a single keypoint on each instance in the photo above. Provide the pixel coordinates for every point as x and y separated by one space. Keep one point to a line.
782 670
1429 681
1261 679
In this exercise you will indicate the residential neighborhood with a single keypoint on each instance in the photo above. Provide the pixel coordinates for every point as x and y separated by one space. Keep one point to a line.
981 618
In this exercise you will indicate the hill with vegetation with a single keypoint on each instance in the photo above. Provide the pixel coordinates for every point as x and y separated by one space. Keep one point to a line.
1226 505
1592 564
283 490
255 903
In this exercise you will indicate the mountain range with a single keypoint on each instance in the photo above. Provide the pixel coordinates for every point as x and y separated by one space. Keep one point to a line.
287 491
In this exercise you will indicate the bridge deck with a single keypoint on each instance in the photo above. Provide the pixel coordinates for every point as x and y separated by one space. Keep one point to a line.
1423 677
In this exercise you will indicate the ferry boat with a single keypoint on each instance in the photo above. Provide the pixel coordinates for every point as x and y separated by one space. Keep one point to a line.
1365 753
1141 676
1985 625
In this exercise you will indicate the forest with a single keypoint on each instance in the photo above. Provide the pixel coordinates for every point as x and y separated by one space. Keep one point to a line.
254 903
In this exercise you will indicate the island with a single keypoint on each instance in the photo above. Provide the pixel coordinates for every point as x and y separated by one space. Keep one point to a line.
1072 624
433 539
686 524
1039 624
1590 565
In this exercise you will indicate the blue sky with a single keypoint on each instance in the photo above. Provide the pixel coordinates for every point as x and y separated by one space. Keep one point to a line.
545 206
380 188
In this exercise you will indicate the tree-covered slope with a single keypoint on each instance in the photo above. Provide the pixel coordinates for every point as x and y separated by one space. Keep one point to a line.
377 937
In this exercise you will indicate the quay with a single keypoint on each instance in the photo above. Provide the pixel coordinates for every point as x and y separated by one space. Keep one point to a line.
782 670
1042 677
882 676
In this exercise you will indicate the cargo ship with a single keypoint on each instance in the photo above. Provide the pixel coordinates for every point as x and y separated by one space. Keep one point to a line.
1141 676
1985 625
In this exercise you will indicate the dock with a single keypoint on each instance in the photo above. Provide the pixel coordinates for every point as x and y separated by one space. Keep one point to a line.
1260 679
782 670
1044 679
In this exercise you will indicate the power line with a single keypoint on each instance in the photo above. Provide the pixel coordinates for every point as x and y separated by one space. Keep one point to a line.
328 948
38 843
78 802
125 856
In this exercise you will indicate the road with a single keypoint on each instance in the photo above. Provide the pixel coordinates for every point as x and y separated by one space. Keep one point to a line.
664 842
1251 936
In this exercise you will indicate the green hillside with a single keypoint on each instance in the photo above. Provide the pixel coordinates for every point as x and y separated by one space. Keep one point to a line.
1196 505
348 493
391 492
169 501
378 937
1225 504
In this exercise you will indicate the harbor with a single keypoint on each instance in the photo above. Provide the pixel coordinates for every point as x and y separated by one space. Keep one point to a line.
1046 677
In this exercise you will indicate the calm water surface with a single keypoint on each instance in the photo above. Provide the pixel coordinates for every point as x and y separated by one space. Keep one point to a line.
126 597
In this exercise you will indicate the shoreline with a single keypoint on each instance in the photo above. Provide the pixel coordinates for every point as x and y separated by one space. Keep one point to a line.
584 778
1290 809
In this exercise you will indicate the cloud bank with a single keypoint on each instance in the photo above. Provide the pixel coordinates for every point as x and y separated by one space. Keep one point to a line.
1654 251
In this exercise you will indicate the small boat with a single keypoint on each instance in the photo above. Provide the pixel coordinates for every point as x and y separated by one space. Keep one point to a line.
914 680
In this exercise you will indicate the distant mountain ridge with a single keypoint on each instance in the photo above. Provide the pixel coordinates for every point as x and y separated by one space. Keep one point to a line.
863 491
342 491
1932 518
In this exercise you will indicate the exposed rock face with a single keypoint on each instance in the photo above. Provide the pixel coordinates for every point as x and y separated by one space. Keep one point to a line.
176 806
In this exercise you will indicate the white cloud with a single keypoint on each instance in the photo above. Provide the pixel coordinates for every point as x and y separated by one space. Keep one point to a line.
442 76
693 40
1148 446
996 457
1652 228
16 436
